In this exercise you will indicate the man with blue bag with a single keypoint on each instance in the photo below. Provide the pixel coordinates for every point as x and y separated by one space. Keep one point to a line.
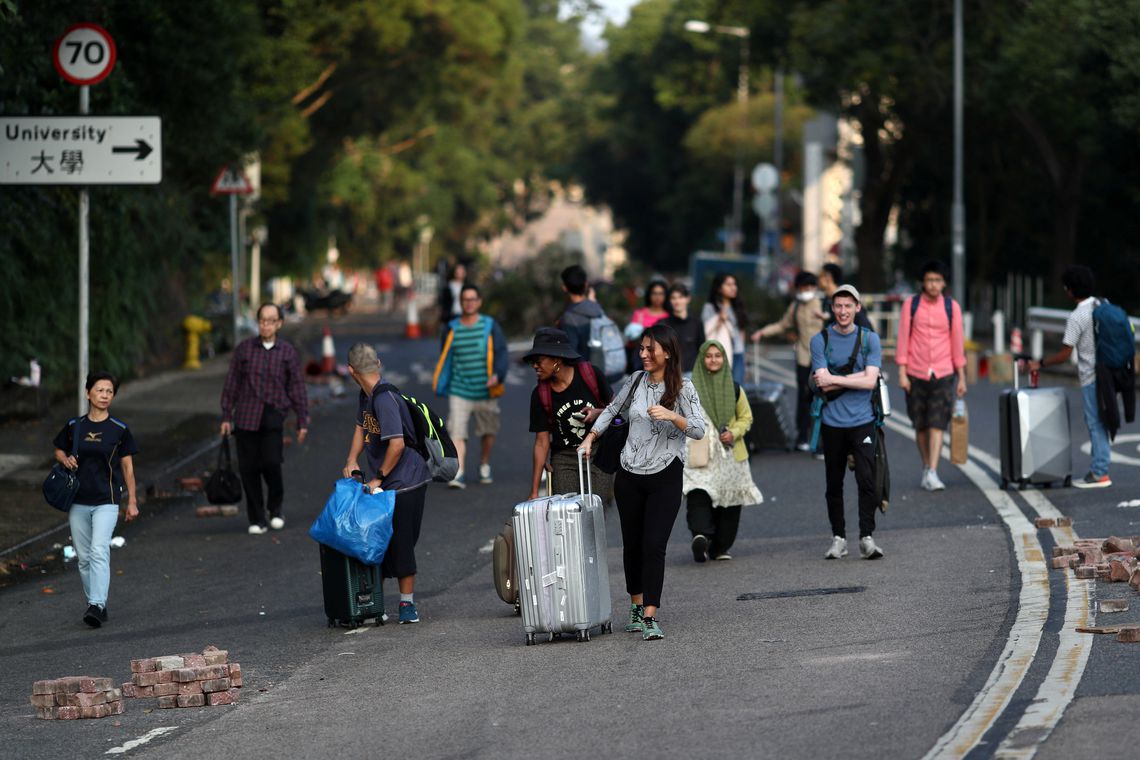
383 427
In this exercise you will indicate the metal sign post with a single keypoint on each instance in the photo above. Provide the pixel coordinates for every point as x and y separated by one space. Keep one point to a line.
233 182
84 274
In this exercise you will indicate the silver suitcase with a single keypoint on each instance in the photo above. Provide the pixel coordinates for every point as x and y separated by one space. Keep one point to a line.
560 548
1035 438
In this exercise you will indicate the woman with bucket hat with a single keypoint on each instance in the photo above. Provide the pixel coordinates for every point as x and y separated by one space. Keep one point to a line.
568 397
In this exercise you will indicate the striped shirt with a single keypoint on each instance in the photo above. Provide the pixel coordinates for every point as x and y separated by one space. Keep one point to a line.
1080 336
469 362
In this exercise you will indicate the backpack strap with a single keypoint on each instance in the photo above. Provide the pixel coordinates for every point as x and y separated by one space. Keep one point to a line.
590 378
546 398
947 301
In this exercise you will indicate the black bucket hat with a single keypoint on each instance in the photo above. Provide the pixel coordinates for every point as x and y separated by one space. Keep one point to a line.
550 341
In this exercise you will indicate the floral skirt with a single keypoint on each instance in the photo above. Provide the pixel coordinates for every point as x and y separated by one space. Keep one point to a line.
726 481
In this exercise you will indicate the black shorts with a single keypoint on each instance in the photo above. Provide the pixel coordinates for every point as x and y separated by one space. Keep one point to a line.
930 403
400 559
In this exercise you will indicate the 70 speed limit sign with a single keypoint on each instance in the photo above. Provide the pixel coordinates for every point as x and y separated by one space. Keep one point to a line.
85 54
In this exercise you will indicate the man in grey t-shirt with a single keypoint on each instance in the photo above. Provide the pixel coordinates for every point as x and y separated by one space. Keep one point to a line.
1079 334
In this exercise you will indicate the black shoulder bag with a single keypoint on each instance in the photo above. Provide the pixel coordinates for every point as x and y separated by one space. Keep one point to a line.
62 484
224 485
607 449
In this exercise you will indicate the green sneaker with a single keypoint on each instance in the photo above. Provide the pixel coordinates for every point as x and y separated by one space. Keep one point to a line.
652 630
635 625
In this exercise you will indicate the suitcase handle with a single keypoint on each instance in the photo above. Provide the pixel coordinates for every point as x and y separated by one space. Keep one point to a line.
585 481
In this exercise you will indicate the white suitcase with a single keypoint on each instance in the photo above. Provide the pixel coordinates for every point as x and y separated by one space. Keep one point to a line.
563 579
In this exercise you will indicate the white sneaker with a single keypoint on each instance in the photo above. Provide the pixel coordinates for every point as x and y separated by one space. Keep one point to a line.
277 523
838 548
868 549
257 530
485 474
805 446
924 484
936 483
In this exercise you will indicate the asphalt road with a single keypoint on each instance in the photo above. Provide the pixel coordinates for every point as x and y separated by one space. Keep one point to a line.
758 660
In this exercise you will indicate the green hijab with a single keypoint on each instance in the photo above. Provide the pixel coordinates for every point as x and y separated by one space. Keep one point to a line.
715 389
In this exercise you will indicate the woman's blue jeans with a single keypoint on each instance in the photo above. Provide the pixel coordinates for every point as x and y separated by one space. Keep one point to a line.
91 529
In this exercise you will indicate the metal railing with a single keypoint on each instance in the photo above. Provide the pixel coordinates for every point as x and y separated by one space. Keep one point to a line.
1040 321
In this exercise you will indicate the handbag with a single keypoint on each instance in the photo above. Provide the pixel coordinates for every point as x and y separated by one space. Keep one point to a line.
700 451
224 485
62 484
607 451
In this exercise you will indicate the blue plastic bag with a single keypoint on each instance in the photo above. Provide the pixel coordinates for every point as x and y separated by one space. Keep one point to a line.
355 522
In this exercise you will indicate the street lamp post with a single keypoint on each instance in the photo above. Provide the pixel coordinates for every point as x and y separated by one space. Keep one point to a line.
743 34
958 210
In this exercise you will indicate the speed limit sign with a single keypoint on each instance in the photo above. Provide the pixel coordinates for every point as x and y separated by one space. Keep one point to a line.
85 54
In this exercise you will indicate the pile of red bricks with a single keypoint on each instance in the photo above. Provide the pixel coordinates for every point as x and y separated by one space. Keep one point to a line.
186 680
215 510
1113 560
76 697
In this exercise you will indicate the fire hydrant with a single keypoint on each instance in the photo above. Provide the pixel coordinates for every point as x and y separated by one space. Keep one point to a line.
194 327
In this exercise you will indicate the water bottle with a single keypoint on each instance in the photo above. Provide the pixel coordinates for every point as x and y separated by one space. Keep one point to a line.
960 408
884 395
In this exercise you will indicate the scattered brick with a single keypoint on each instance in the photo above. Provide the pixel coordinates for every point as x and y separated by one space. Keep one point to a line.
117 707
74 697
142 666
1134 581
229 510
43 687
1085 572
1064 522
1117 544
151 678
185 675
145 691
1129 635
194 660
194 687
1119 572
216 684
1062 562
166 689
192 700
128 690
221 698
1114 605
43 700
208 510
169 662
67 713
216 657
190 484
235 674
167 702
95 711
1043 522
1111 629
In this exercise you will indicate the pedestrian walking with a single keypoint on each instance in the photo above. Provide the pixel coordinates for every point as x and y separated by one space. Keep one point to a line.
725 320
655 307
450 295
263 384
802 320
471 372
385 285
848 418
569 395
585 321
104 462
383 424
663 413
1080 335
830 278
718 481
931 354
690 330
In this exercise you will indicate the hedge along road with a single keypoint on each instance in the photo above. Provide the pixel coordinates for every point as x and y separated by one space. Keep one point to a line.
990 718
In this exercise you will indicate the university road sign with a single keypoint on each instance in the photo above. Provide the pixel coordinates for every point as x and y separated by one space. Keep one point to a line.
80 150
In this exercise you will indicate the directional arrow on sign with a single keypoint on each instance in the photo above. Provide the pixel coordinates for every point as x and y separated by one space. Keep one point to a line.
142 148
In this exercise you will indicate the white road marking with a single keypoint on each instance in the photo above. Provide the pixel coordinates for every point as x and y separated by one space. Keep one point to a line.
152 734
1117 457
1059 686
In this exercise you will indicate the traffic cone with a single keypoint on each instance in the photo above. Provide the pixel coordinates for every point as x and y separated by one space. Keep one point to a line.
328 353
412 325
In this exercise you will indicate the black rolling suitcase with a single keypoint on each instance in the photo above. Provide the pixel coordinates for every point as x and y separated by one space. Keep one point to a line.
772 423
352 589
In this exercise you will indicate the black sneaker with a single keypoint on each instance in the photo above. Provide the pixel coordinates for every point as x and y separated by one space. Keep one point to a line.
95 616
700 547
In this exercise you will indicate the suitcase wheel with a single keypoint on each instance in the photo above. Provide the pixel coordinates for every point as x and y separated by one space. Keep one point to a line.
1023 485
1068 481
1004 484
380 620
518 609
332 623
530 639
551 636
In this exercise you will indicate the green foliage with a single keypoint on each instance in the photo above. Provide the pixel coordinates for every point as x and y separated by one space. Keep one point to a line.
530 295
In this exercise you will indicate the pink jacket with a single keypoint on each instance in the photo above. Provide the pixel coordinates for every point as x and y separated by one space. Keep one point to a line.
932 346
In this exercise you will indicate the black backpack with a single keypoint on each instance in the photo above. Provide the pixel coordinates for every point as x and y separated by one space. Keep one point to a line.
429 437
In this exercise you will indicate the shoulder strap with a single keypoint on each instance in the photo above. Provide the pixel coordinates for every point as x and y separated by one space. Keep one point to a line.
629 396
858 345
947 301
75 438
546 398
590 378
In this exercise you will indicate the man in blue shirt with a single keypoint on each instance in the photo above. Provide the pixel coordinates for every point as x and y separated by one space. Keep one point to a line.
383 423
845 367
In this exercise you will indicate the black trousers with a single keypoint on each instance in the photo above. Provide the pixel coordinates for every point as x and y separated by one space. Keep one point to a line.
803 405
837 444
647 506
400 559
717 524
260 454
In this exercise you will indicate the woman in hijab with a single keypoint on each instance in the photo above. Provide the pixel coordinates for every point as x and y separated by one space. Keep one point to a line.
717 478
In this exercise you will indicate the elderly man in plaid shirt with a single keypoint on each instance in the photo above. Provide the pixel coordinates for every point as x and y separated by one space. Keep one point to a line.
263 385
